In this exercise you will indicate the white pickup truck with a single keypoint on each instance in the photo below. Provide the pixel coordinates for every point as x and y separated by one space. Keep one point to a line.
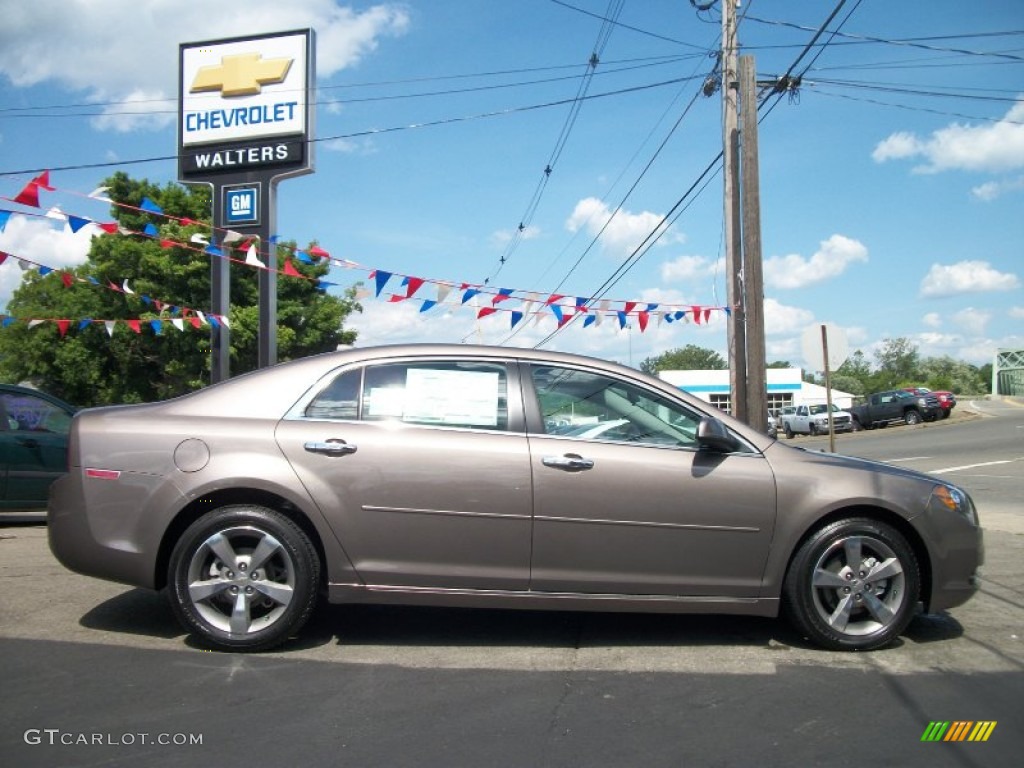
813 420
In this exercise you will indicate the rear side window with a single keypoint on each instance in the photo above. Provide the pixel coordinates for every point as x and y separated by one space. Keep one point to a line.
438 393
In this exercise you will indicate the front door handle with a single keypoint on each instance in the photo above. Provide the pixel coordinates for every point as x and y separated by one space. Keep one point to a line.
332 447
570 462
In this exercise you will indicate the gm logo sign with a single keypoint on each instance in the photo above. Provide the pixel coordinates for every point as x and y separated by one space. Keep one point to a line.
241 205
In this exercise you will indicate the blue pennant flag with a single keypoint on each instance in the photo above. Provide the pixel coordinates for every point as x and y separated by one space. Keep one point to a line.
382 278
149 205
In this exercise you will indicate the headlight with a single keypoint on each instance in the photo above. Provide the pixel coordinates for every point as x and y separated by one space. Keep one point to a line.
955 500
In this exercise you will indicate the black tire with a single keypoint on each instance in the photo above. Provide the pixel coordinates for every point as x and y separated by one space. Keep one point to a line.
243 578
857 608
946 413
912 417
789 431
814 429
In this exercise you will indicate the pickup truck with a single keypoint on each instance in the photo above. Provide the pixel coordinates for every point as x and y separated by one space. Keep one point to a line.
882 408
813 420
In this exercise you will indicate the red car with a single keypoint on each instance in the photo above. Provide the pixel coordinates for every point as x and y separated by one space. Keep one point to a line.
947 400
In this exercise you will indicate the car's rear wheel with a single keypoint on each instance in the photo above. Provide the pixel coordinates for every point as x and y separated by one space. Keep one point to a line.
789 432
912 417
243 578
853 585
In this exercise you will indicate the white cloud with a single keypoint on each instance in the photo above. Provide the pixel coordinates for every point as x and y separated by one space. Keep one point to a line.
622 234
994 148
504 236
995 189
781 319
686 268
1017 313
966 277
971 321
38 241
968 321
137 70
830 260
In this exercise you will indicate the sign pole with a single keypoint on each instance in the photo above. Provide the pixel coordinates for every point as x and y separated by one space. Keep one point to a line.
245 121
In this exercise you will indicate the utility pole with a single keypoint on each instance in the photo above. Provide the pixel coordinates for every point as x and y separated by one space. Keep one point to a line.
733 253
753 275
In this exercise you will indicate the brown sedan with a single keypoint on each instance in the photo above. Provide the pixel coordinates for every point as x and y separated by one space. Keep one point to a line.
495 477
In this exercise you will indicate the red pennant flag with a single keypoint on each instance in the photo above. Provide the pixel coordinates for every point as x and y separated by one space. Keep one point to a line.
396 298
565 318
67 279
290 270
29 195
110 227
319 252
485 311
134 325
414 285
167 243
63 326
707 316
196 322
643 317
630 306
43 180
553 298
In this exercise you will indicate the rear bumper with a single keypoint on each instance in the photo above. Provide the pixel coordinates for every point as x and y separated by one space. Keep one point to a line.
97 527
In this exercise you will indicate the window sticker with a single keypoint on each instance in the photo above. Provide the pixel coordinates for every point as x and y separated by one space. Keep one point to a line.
463 398
386 403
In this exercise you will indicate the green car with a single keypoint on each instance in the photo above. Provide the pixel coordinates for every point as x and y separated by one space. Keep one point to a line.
33 449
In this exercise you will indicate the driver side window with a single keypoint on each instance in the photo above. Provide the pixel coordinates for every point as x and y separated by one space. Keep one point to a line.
590 406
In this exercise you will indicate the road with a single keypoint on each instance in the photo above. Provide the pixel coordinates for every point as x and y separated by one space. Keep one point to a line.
98 674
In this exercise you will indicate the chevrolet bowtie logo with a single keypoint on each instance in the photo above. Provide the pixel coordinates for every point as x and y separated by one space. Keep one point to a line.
243 74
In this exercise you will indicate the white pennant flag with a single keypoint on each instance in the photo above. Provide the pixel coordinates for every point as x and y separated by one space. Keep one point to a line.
34 323
202 317
200 239
126 289
110 326
178 323
251 259
443 289
231 237
56 214
100 193
223 319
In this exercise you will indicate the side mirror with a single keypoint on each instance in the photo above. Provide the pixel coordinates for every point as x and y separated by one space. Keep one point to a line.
713 436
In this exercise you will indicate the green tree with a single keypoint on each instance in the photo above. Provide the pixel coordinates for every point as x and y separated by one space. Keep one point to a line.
897 363
945 373
88 367
688 358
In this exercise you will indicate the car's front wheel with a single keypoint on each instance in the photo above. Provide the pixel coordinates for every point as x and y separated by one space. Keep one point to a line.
912 417
243 578
853 585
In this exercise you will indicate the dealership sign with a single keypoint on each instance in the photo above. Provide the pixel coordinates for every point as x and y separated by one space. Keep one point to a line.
245 105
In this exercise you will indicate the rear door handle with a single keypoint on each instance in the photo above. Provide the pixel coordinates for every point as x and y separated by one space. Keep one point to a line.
570 462
332 447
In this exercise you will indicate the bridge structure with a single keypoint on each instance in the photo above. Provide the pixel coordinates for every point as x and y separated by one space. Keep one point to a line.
1008 372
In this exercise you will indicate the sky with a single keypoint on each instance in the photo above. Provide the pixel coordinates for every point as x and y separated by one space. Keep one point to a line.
891 178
